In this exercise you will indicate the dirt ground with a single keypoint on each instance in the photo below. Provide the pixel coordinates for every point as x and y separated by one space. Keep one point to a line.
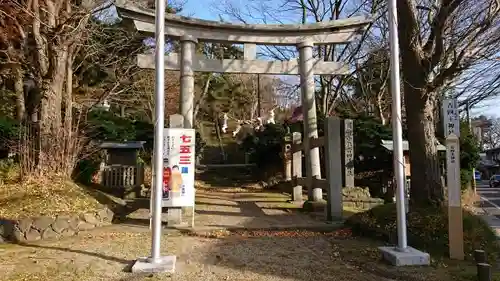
218 254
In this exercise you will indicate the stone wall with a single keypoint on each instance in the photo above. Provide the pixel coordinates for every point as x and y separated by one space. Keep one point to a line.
360 198
33 229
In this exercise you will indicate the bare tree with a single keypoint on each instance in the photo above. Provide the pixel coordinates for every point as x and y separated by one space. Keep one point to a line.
491 133
331 87
438 42
40 39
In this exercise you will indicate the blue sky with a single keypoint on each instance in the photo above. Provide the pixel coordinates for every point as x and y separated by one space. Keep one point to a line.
193 8
205 9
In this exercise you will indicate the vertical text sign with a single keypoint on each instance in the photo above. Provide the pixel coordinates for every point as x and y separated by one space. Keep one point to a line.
348 153
455 220
453 171
178 167
451 117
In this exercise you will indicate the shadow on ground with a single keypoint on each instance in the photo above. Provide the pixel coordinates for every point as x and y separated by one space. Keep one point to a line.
88 253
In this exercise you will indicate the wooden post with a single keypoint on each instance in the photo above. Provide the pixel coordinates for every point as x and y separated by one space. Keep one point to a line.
334 171
297 169
455 223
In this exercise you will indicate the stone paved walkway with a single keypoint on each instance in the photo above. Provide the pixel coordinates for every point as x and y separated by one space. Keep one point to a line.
232 208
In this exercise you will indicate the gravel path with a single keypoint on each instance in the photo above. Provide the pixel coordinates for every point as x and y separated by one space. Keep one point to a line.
256 255
104 255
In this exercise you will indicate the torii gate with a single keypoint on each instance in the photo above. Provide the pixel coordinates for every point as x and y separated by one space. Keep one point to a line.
190 31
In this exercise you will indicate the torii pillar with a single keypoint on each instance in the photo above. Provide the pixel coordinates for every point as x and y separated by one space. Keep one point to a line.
188 46
313 168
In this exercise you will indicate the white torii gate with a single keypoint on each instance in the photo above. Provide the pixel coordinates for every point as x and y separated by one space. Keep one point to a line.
190 31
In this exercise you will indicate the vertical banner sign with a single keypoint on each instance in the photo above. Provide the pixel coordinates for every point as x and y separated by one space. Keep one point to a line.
178 167
451 117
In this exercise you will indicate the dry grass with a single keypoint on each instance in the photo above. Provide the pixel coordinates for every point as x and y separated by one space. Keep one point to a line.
469 198
44 197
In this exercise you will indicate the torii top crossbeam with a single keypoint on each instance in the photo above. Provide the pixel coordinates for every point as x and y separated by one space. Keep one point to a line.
330 32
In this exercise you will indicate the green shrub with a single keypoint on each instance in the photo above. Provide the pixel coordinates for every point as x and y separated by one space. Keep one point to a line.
427 229
465 179
86 169
265 147
9 130
9 171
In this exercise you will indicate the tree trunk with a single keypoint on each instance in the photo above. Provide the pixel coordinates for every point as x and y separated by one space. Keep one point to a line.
379 108
426 188
19 90
202 96
50 114
69 148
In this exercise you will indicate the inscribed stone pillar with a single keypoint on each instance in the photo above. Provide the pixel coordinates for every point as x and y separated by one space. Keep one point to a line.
307 87
188 45
348 155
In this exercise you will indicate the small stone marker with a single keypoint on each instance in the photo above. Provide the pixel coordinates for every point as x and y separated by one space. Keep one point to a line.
455 223
484 272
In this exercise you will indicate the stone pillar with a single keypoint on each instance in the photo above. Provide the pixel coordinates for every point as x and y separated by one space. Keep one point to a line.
188 45
334 170
348 152
307 88
455 225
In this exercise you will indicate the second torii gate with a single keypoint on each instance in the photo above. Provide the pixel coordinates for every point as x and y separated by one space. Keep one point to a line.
191 31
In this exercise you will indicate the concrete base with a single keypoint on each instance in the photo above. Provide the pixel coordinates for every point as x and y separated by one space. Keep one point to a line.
166 264
296 203
410 257
174 216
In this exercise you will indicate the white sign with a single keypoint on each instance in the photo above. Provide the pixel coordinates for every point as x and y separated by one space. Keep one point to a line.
451 117
453 171
178 167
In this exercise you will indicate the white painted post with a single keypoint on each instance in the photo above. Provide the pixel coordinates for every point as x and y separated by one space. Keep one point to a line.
397 135
455 223
156 262
159 124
